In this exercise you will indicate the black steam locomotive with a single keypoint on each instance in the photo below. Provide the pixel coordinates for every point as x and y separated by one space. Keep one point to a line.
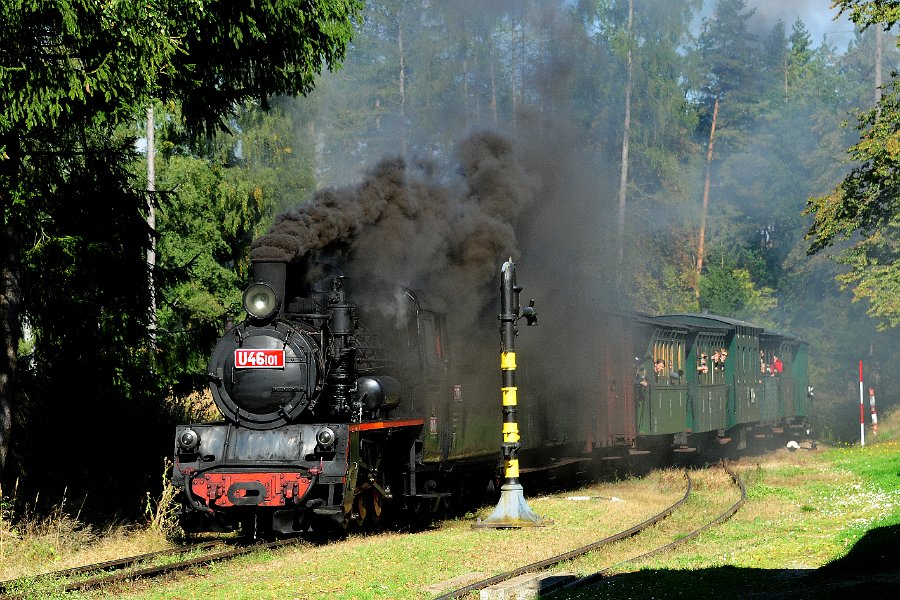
326 423
332 424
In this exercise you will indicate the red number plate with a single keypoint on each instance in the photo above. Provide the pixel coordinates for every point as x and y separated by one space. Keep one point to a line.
250 358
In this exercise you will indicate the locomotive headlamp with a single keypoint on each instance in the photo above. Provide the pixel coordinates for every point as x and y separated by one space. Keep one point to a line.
188 440
260 301
325 437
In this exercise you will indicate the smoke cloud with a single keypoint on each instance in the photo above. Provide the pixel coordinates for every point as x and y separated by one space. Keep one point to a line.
415 224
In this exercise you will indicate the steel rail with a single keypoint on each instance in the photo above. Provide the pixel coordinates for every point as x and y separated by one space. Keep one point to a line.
123 563
724 516
119 563
185 564
554 560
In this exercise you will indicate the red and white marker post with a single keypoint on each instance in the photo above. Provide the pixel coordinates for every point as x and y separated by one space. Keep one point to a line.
862 422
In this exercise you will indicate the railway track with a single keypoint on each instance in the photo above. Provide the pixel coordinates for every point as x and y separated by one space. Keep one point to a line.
596 577
99 574
128 569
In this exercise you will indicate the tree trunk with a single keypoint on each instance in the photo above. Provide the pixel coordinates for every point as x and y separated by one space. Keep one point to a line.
402 91
493 87
10 292
623 174
465 93
9 334
878 37
784 71
512 72
701 245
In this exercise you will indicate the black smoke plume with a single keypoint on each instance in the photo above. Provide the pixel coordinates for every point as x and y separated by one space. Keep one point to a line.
415 225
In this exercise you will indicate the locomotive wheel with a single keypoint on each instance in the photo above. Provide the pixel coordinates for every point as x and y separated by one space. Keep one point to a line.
368 508
376 509
361 508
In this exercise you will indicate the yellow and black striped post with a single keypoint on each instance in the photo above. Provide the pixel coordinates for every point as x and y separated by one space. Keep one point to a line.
512 510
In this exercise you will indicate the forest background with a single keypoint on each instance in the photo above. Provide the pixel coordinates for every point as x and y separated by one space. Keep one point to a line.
715 142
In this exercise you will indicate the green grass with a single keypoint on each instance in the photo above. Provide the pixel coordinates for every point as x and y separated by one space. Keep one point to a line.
835 508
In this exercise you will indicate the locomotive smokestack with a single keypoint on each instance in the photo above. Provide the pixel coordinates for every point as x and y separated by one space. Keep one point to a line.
273 273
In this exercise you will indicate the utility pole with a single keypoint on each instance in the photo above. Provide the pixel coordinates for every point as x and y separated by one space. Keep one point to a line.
878 36
151 219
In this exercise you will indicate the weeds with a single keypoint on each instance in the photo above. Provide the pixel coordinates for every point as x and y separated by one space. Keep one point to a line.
7 511
162 513
28 540
32 543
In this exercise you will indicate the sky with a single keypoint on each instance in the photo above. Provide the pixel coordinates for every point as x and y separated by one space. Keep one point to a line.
817 15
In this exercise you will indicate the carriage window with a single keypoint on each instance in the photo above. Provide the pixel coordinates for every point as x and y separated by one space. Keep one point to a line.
668 358
712 355
771 361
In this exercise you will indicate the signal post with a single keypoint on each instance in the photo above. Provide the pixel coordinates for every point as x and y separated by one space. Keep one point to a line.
512 511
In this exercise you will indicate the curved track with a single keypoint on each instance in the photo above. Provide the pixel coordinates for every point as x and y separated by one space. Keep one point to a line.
724 516
591 579
124 573
553 560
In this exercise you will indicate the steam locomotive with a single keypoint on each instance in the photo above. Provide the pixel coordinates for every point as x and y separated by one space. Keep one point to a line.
332 417
327 423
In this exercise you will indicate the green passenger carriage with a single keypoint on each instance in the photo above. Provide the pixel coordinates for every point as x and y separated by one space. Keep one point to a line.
705 379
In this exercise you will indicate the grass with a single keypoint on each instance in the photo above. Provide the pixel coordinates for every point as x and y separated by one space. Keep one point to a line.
32 544
837 507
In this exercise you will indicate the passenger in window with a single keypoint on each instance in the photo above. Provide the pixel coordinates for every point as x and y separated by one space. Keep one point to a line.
640 378
719 359
777 366
762 362
659 367
701 364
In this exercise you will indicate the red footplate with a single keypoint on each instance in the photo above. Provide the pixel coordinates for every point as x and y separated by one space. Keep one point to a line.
249 489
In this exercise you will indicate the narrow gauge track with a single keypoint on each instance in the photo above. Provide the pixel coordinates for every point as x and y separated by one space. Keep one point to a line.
120 565
724 516
594 578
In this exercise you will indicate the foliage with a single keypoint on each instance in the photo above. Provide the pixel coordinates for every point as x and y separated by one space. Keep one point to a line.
727 53
865 209
868 12
76 75
210 208
726 289
662 281
162 513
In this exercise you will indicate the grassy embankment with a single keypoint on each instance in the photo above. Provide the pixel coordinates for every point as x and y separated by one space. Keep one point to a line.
838 507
